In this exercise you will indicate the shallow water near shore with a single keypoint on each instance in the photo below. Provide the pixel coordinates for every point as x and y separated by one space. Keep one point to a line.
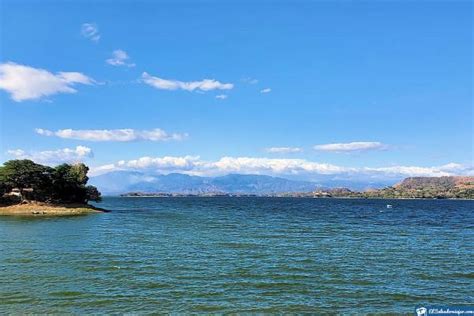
241 255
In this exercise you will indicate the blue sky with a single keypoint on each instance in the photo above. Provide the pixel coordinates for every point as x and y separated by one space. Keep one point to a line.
377 87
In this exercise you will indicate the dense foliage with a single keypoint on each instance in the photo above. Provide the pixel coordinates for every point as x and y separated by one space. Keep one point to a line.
65 183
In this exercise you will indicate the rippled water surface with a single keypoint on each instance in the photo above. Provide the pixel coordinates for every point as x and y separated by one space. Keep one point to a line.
240 255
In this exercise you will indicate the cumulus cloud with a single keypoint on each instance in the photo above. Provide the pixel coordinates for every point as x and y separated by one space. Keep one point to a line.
166 163
193 165
28 83
80 153
271 166
415 171
203 85
283 150
246 165
119 58
221 96
90 31
351 147
113 135
266 90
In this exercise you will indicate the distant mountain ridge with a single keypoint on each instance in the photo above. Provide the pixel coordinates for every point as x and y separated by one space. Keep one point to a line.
119 182
440 187
454 187
445 183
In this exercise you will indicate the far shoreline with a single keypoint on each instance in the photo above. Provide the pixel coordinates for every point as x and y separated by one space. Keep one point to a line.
287 197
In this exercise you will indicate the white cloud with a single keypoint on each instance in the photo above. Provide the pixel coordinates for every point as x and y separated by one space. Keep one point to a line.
119 58
283 150
351 147
80 153
266 90
272 166
203 85
221 96
94 171
193 165
116 135
28 83
250 80
166 163
90 31
246 165
415 171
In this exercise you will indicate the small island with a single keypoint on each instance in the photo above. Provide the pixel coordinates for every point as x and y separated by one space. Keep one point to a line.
31 189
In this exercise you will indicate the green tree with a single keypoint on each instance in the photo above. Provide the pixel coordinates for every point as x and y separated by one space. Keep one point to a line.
79 173
92 194
25 174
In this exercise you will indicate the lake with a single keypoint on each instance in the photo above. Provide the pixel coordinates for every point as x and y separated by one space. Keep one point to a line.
212 255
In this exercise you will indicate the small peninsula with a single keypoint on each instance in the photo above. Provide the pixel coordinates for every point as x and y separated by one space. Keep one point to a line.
31 189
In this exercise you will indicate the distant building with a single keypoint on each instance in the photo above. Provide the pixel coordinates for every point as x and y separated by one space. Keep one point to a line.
14 192
24 193
321 194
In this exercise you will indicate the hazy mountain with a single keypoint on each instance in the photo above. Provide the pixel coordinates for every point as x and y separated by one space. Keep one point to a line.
129 181
238 183
356 184
118 182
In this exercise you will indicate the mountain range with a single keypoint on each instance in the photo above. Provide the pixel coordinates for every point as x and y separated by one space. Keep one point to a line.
118 182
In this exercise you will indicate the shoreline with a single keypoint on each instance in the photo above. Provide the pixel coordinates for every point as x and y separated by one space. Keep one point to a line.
284 197
47 209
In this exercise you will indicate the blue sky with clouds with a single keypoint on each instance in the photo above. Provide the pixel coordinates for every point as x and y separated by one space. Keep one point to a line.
288 88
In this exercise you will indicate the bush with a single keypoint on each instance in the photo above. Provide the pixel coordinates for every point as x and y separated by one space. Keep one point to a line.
9 199
92 194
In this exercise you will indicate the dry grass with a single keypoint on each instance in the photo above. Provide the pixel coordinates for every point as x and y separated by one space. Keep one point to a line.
45 209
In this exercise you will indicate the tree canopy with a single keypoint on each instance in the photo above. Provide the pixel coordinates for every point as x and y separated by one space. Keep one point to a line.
66 183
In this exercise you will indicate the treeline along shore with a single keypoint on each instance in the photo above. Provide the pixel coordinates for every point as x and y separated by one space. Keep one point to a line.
414 188
28 188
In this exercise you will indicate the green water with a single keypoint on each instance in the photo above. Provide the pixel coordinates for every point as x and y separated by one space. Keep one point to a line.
209 255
